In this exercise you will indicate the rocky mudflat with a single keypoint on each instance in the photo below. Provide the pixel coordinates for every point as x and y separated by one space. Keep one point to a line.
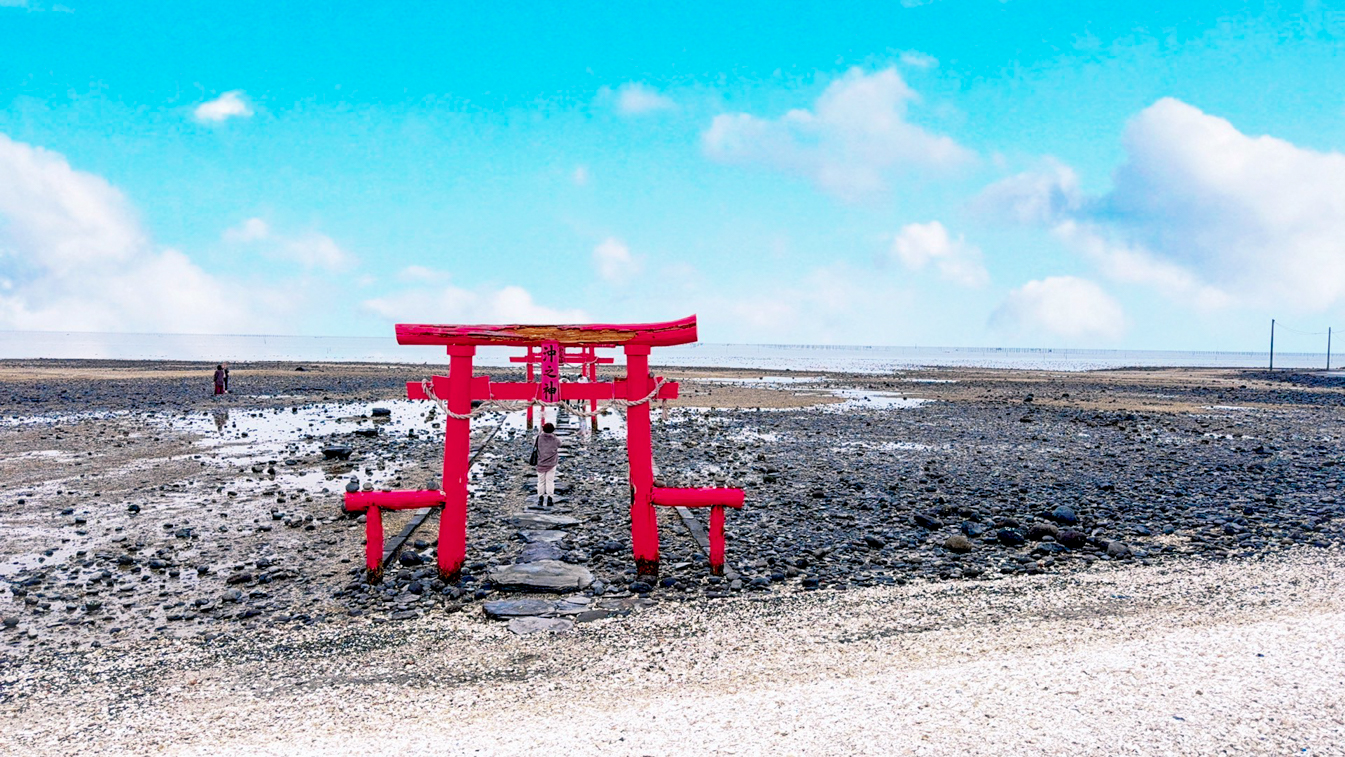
142 515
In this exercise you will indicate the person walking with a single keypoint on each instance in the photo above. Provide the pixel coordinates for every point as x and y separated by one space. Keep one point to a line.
226 377
221 379
548 455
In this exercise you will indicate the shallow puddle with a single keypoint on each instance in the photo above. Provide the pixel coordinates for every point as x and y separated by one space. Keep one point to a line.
859 399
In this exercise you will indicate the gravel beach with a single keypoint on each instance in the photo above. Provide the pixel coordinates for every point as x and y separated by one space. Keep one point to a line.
942 561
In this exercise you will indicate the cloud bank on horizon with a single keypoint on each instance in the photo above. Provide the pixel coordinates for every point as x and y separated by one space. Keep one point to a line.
914 197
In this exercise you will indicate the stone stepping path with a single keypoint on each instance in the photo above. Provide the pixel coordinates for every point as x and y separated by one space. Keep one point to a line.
539 569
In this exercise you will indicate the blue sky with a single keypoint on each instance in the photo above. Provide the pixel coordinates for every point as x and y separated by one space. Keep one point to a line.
964 173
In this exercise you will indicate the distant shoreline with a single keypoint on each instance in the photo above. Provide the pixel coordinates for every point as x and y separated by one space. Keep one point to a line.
35 345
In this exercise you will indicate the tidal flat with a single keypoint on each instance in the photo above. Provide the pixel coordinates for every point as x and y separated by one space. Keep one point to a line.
952 547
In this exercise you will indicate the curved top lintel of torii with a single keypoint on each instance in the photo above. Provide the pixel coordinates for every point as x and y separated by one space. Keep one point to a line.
663 334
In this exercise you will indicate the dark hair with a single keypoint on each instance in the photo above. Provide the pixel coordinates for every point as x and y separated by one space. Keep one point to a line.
219 367
548 428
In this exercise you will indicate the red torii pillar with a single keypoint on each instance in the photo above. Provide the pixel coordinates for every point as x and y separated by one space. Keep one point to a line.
640 454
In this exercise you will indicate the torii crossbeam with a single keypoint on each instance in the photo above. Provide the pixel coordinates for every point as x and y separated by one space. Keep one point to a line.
549 345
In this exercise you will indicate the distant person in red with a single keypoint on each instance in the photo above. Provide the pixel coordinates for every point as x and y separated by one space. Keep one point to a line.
221 379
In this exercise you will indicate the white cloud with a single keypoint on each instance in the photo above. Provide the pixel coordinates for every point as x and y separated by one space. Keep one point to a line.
613 261
580 176
919 244
451 304
74 256
853 137
1134 265
1060 306
917 59
419 274
313 250
1045 195
251 230
635 99
1199 209
228 105
310 250
832 304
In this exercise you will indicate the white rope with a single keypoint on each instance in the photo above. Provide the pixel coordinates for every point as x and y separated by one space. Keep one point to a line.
494 404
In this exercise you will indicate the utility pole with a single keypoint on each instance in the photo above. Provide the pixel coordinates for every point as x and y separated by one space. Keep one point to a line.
1272 344
1328 348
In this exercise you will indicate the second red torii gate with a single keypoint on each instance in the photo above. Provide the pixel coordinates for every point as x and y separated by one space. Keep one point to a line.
460 388
588 360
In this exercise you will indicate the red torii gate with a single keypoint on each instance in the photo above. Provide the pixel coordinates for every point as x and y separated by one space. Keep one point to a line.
460 388
586 356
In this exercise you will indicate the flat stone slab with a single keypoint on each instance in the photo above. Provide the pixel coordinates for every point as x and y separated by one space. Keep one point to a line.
543 575
523 626
518 608
539 551
542 521
548 536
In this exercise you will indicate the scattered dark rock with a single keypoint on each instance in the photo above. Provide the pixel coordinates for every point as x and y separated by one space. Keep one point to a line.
972 530
1065 515
957 543
927 522
1072 538
338 452
1039 531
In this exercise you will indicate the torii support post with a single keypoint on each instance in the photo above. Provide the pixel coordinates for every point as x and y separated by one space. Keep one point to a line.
593 377
714 498
372 504
457 449
640 455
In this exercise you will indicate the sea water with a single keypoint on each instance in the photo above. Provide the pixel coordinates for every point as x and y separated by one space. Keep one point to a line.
254 348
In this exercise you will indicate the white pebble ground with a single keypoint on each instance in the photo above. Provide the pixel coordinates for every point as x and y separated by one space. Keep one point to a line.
1240 657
